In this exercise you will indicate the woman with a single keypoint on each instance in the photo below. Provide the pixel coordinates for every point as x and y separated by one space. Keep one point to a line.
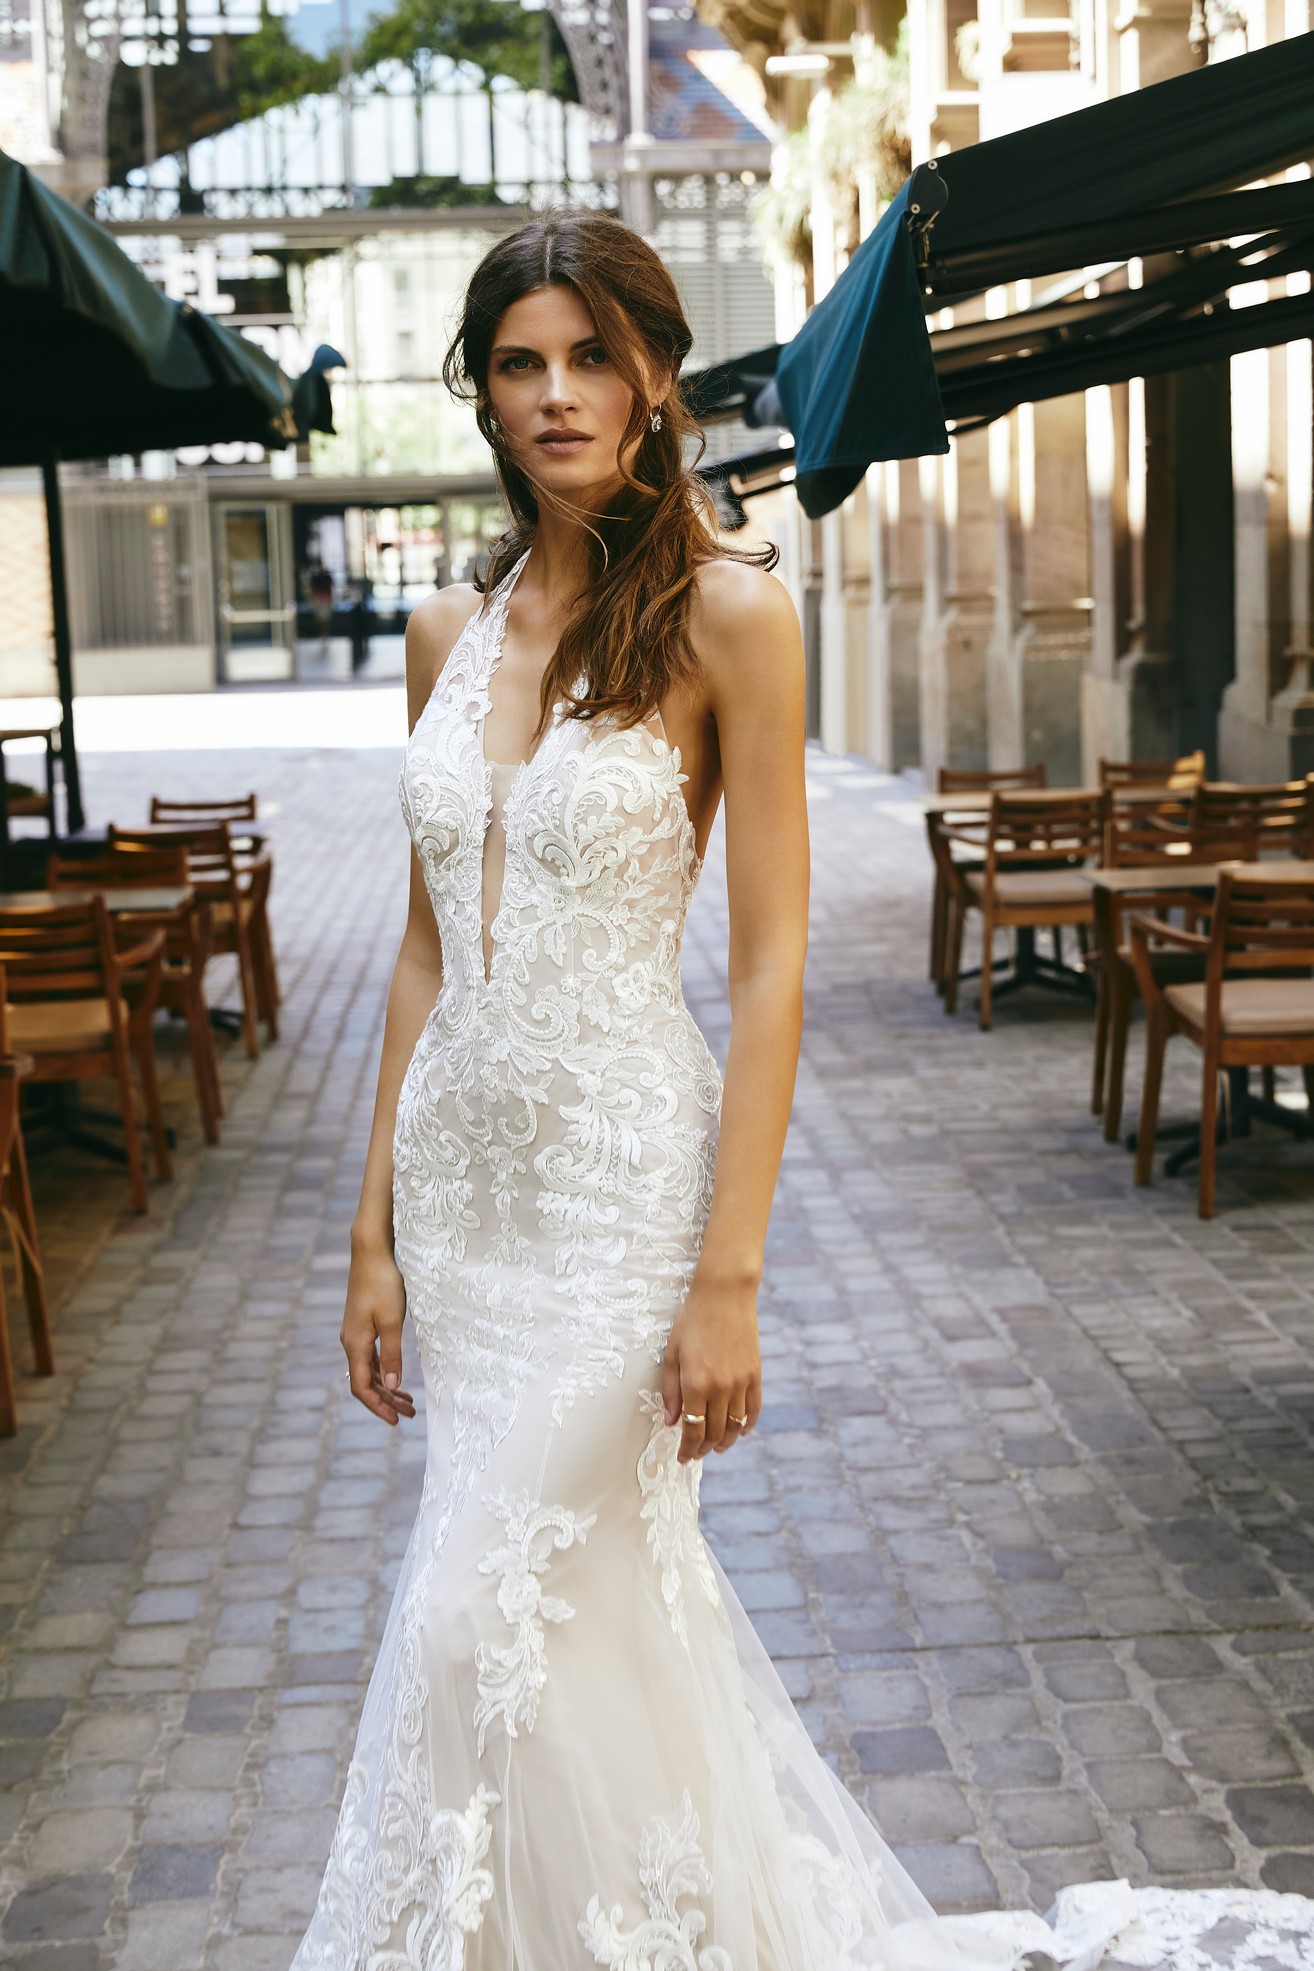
574 1751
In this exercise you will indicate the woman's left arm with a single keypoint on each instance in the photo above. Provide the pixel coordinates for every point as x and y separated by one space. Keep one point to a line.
747 635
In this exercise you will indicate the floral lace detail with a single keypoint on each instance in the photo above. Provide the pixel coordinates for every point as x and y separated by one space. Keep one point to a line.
511 1677
421 1924
670 1507
671 1871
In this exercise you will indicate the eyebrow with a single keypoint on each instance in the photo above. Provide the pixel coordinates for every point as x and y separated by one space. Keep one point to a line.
523 349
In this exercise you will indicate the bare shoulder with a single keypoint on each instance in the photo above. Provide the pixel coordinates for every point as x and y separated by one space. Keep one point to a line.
743 625
432 629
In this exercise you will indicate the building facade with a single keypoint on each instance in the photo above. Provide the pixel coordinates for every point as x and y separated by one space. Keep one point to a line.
1124 572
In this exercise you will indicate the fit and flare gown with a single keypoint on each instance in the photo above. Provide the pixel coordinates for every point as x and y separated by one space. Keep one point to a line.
574 1751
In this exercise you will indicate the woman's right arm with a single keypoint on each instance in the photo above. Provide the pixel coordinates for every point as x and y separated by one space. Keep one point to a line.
376 1299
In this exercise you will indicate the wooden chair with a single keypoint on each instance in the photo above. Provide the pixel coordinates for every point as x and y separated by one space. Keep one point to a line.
949 781
1186 771
1253 1008
1243 824
235 905
19 1216
1145 838
68 1009
1035 844
248 846
189 938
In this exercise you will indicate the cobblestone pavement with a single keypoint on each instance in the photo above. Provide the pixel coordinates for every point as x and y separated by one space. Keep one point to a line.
1024 1526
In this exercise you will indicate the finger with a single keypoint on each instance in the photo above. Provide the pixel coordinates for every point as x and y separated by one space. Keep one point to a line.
390 1357
362 1371
717 1405
400 1399
736 1415
671 1384
693 1404
754 1410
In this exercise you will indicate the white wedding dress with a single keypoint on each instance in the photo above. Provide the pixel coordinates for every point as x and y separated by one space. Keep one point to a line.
574 1751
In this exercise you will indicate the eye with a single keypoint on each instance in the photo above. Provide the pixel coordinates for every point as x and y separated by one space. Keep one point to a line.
597 351
509 363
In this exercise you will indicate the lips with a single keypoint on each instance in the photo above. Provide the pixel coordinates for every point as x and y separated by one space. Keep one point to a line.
563 441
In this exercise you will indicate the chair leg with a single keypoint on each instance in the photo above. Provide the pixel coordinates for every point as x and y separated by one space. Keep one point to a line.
131 1134
1268 1077
250 1008
1102 992
150 1088
1124 992
205 1065
266 990
1156 1040
987 968
23 1213
1208 1134
8 1406
939 913
1307 1076
954 966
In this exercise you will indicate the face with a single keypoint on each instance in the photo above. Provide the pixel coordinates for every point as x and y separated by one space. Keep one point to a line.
553 389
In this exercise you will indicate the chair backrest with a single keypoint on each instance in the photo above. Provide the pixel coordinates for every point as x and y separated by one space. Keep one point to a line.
63 952
1141 837
121 865
1233 823
1062 826
242 807
1187 770
1261 924
209 852
968 780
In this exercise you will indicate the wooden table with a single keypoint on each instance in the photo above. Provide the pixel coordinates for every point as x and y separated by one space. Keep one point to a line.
936 806
119 900
1115 888
12 805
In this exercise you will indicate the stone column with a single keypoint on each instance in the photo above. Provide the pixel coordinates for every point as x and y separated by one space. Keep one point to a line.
1007 747
958 606
1052 644
901 626
1266 727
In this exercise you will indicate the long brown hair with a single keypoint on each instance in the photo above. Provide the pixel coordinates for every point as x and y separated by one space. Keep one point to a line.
627 638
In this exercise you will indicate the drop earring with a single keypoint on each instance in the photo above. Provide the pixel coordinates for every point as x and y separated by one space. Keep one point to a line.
655 421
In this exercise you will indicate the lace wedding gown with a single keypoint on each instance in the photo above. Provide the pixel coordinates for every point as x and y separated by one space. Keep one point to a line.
574 1751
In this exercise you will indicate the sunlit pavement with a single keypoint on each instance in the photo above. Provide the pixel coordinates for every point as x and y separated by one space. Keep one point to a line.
1024 1525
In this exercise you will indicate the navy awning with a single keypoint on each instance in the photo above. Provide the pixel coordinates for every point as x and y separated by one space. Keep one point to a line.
1147 174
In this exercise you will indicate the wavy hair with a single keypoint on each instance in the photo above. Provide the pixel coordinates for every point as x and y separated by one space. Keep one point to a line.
626 642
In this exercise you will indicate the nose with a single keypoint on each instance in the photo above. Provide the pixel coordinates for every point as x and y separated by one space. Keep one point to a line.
557 393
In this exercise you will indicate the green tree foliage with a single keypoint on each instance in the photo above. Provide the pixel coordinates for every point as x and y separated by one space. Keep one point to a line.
497 36
269 69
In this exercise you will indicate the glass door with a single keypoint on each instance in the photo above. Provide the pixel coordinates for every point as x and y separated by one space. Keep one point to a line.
257 609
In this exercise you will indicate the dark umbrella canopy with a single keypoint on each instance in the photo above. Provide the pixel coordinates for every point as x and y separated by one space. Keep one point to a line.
98 361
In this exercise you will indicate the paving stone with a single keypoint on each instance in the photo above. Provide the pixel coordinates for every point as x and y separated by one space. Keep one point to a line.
1185 1844
1045 1818
59 1907
166 1937
1273 1816
173 1871
79 1840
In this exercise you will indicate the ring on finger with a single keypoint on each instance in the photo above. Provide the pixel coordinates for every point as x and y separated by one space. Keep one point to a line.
691 1417
740 1423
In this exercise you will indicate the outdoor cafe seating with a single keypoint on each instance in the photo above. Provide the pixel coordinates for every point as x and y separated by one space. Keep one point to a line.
189 940
1024 859
69 1009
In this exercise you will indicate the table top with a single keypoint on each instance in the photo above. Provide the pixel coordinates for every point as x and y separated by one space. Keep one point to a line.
127 897
977 800
1196 878
26 732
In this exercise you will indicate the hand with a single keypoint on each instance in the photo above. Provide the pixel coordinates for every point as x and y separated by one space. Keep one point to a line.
713 1367
371 1333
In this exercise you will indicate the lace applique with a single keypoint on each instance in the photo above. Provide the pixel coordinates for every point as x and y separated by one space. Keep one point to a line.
671 1871
511 1677
670 1507
422 1921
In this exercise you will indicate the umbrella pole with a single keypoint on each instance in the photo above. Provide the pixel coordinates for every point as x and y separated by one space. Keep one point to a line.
63 643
